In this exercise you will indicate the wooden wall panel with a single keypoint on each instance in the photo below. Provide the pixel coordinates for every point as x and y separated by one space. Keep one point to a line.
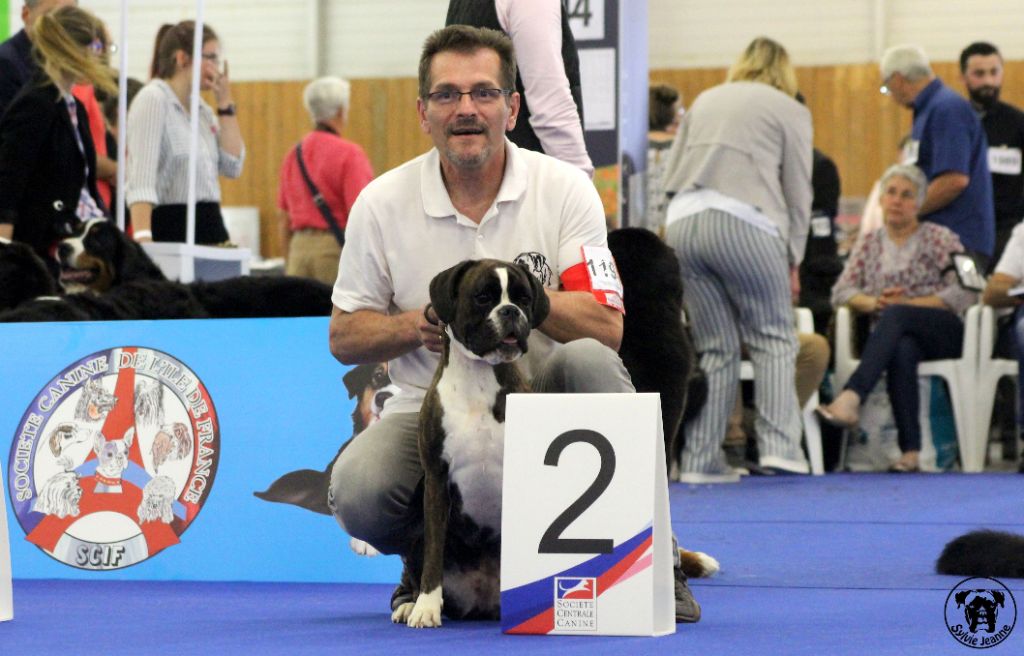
853 123
382 119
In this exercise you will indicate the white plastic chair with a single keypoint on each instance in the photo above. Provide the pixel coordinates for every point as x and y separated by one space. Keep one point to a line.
960 375
812 429
990 370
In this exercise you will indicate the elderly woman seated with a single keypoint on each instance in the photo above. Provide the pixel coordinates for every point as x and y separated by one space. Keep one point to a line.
901 275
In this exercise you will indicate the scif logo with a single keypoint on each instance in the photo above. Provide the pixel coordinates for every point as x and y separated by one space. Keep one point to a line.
114 458
980 612
575 605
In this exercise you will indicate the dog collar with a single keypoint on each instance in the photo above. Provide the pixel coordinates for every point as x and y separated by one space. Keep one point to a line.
106 480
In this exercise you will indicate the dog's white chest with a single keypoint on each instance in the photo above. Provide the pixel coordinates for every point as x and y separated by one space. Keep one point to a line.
474 440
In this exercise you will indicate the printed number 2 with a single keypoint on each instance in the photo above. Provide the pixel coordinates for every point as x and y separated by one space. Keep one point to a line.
551 541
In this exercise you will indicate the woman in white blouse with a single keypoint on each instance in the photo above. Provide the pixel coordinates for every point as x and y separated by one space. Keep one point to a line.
159 134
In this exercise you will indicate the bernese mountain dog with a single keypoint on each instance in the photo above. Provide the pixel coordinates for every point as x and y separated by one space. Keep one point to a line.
107 276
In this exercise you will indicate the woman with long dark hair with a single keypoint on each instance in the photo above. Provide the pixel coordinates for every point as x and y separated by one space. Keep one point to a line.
159 135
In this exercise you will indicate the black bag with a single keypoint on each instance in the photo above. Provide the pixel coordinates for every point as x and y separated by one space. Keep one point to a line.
318 199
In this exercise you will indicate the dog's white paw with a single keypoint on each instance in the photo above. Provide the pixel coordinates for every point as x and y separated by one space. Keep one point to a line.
401 614
362 548
427 612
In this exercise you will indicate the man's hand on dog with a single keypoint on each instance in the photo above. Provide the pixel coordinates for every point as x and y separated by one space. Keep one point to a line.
430 329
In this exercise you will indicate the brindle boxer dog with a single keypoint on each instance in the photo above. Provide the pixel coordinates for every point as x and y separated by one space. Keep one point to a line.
488 308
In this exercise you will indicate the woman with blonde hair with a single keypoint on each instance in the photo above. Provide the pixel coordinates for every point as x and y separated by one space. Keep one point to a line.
159 133
765 61
739 172
47 156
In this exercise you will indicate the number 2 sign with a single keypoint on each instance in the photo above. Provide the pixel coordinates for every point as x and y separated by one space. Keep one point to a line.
586 547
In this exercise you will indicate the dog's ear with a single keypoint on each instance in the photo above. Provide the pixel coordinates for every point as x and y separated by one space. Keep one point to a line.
358 378
541 304
131 260
444 290
998 596
961 597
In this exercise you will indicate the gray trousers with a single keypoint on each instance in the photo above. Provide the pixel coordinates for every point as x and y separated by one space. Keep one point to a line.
736 288
375 478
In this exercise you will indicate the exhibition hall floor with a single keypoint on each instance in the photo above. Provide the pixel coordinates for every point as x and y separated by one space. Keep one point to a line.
838 564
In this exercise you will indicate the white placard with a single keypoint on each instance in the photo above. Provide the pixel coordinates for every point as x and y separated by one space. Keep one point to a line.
6 592
586 19
1004 161
586 545
597 75
910 152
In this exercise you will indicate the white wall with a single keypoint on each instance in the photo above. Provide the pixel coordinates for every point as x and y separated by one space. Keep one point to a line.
697 33
277 39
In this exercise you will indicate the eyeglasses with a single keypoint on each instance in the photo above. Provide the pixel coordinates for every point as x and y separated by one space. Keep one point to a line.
884 89
478 96
98 47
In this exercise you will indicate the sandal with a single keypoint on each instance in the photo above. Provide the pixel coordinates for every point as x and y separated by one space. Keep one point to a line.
826 415
906 464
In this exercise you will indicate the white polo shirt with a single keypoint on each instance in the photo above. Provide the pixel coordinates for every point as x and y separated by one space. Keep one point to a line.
403 230
1012 261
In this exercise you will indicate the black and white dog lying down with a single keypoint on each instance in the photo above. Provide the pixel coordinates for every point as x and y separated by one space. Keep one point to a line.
107 276
489 308
993 554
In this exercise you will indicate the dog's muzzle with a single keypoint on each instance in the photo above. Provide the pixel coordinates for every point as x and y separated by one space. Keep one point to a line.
513 332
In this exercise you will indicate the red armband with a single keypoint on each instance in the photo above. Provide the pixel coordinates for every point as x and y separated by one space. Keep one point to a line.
596 274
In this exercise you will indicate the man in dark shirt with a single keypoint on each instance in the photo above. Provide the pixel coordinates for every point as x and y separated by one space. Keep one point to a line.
16 64
981 68
948 144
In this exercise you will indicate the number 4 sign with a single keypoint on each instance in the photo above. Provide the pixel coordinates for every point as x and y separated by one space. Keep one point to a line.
586 547
6 594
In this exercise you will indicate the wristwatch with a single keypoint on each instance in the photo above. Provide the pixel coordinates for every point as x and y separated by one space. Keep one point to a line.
226 111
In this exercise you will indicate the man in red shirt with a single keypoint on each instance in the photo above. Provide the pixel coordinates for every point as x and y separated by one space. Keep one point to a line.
338 168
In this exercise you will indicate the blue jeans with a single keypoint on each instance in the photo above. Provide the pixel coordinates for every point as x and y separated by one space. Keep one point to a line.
904 336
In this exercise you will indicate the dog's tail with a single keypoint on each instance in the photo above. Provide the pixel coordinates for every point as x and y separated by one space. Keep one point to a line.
305 488
984 553
697 564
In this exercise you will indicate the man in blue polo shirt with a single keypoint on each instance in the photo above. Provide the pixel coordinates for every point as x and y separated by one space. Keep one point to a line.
948 144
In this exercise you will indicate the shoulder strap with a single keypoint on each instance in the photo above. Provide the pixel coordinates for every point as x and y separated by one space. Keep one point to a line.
318 199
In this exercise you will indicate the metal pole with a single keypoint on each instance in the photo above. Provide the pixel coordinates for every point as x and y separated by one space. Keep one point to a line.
122 116
193 152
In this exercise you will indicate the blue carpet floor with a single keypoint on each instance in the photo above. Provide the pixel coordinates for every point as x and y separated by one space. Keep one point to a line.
841 564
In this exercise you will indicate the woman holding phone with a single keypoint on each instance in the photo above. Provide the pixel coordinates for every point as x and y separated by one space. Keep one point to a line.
159 138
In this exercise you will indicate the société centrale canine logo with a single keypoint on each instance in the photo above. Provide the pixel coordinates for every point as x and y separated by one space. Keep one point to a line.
114 458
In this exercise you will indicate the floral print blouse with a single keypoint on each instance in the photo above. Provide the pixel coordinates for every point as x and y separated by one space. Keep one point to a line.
922 266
